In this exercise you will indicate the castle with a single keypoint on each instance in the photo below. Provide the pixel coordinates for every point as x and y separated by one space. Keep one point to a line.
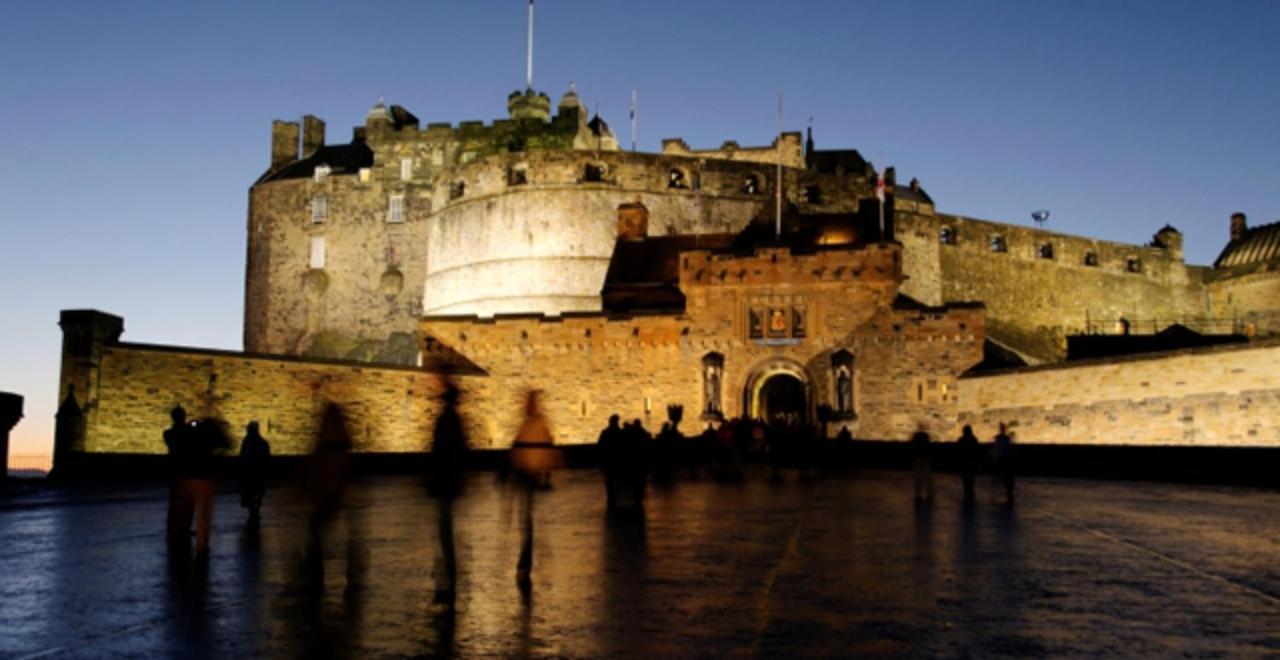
534 252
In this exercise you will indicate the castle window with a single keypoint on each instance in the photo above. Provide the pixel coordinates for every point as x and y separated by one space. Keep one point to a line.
1044 250
406 169
813 194
395 209
365 175
321 173
518 175
1133 265
755 323
712 378
457 189
751 184
947 236
842 380
998 244
593 173
317 252
1091 258
676 179
319 209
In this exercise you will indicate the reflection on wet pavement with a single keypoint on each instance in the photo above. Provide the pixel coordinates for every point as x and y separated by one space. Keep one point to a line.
842 565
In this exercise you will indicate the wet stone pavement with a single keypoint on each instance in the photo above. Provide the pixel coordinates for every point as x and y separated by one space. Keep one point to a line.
841 565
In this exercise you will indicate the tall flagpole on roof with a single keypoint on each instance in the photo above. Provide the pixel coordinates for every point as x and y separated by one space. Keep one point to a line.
528 58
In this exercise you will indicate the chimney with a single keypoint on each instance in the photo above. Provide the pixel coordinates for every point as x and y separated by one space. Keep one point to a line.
1238 226
284 143
312 134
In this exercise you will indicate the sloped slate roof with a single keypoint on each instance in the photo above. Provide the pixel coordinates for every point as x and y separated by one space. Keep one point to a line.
645 274
1257 245
341 159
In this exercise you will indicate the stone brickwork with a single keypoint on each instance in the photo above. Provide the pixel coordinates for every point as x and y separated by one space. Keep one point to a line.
1248 297
1226 396
1035 299
126 391
905 361
786 150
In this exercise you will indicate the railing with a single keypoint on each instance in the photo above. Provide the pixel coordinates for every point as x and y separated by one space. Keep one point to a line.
29 466
1127 326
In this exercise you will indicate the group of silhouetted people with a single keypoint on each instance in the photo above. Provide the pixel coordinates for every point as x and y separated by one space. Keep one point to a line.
971 459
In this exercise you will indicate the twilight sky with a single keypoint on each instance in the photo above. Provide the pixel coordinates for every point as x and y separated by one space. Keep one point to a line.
132 130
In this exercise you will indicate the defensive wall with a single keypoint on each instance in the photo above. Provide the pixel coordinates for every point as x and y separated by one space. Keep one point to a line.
1248 296
1039 286
905 362
123 393
1225 396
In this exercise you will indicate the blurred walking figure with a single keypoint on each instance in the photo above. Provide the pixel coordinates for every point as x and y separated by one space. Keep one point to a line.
448 462
533 456
326 479
1004 460
970 457
923 465
255 455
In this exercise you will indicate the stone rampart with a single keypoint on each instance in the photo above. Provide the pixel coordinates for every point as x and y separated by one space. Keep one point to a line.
1227 396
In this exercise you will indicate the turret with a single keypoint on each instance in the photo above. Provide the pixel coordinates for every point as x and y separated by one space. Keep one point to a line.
378 120
1239 226
529 105
312 135
1170 239
284 143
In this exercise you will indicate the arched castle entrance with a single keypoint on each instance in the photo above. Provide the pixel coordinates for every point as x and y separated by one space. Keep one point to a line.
778 387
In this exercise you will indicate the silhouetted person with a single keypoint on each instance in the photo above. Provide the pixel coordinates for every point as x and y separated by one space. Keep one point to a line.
533 455
326 480
181 505
970 454
1003 455
255 456
665 449
701 450
923 465
610 444
448 462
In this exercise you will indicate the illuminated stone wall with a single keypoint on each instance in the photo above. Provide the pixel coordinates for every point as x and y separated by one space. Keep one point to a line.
591 366
1248 297
1226 396
1034 302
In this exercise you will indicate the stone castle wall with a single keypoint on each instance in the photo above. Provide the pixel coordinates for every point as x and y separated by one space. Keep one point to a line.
1034 302
1227 396
1248 298
592 366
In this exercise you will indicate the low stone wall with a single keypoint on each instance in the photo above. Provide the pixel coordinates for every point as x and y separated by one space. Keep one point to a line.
1222 396
389 409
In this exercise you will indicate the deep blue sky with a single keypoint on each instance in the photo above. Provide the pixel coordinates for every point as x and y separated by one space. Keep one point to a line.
132 130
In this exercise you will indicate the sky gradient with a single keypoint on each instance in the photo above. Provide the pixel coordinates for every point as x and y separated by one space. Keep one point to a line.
133 130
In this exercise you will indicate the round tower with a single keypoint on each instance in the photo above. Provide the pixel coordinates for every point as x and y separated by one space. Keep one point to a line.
529 105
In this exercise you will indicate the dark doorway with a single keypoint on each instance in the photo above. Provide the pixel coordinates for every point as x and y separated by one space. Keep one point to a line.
783 395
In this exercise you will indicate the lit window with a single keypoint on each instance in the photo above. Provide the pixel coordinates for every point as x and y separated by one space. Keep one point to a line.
395 211
322 173
406 169
317 252
365 175
319 209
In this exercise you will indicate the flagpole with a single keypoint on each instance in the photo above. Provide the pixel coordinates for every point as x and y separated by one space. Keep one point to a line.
633 120
528 58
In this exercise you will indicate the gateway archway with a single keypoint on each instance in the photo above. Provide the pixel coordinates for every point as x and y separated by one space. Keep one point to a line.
778 389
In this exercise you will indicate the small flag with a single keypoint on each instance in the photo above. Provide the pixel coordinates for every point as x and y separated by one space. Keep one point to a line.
880 186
